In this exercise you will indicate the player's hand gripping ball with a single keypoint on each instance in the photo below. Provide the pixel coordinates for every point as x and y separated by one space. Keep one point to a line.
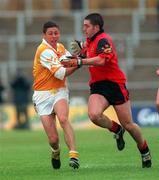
72 62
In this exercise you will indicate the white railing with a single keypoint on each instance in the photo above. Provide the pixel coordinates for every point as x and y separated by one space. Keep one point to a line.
25 17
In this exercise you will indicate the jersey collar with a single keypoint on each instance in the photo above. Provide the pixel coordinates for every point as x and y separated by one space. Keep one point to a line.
96 34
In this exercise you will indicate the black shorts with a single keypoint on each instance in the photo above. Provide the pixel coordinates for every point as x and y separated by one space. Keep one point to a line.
115 93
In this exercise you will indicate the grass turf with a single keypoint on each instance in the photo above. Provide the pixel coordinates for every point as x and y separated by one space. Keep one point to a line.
26 155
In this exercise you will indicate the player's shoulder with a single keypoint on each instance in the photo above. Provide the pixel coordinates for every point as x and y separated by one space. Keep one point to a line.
42 47
60 46
105 38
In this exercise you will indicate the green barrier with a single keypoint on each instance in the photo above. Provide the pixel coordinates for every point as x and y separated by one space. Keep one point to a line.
78 117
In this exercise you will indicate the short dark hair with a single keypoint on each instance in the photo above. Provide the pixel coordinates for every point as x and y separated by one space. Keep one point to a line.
49 24
95 19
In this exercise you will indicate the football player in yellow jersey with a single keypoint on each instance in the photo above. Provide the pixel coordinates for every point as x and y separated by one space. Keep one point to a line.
51 94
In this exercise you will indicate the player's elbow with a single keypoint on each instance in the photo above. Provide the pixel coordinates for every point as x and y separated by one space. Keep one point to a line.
60 73
101 61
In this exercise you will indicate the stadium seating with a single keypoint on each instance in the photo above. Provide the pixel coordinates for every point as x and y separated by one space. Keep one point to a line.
145 54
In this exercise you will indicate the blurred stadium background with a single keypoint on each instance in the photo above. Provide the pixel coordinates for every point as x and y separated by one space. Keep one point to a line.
133 25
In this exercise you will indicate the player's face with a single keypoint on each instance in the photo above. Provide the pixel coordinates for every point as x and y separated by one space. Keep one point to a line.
52 36
89 29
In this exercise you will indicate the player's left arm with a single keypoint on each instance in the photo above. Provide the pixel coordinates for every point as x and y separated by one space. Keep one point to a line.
78 61
104 52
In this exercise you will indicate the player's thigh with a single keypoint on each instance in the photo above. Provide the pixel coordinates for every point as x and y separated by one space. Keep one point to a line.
97 103
124 113
61 108
49 124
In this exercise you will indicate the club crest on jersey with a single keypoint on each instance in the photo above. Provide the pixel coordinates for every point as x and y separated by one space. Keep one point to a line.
107 49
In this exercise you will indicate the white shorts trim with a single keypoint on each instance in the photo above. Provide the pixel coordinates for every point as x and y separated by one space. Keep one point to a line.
44 101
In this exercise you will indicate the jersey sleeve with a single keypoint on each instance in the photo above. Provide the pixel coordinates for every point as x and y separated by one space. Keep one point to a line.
65 54
104 49
49 60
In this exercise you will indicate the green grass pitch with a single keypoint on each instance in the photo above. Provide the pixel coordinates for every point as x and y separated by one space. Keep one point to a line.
26 155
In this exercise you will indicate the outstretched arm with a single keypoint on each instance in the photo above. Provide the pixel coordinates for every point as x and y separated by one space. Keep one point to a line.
78 62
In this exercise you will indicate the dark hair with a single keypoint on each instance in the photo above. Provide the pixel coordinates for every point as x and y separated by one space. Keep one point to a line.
49 24
95 19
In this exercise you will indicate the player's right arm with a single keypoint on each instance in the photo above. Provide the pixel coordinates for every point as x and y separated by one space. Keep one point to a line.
50 60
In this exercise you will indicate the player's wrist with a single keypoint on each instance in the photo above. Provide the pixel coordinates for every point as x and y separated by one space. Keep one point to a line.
79 62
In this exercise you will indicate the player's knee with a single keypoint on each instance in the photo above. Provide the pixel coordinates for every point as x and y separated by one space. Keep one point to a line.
93 116
53 139
63 120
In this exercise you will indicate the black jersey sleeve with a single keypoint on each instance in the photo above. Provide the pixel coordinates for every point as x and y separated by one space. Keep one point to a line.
103 46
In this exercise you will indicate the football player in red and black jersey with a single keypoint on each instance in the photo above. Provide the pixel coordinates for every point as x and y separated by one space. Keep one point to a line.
107 84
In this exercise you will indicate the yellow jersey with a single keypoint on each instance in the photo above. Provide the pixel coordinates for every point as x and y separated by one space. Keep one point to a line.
46 63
